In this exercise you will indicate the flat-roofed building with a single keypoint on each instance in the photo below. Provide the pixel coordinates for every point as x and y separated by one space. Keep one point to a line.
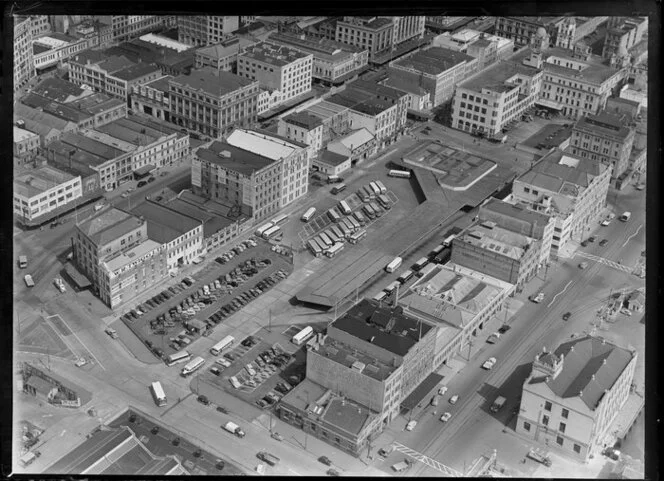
606 137
374 355
622 34
577 82
203 30
180 234
419 99
213 102
41 190
435 69
490 99
59 90
571 189
113 250
304 128
153 99
517 218
24 65
55 48
282 72
223 55
458 301
332 163
26 143
170 56
127 27
573 395
500 253
47 126
334 117
486 48
329 416
333 62
522 29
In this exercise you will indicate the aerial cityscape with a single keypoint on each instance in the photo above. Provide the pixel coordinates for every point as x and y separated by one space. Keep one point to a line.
329 246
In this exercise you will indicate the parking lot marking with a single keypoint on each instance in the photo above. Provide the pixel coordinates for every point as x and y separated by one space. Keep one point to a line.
79 340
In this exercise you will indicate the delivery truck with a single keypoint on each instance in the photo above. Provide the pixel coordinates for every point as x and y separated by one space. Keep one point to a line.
498 404
233 428
270 459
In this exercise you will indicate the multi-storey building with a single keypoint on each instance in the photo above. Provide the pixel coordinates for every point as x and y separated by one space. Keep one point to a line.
127 27
42 190
24 66
519 219
55 48
490 99
407 28
47 126
304 128
181 235
335 118
374 355
438 70
522 29
97 32
284 72
212 102
113 250
573 395
152 98
203 30
223 55
568 187
487 248
375 34
333 62
26 143
292 157
604 137
576 81
622 34
486 48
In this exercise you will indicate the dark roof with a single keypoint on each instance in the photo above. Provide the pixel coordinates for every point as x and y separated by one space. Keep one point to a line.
591 365
421 391
238 160
134 72
331 158
434 60
57 89
109 224
603 123
303 119
384 327
212 82
92 450
164 224
40 385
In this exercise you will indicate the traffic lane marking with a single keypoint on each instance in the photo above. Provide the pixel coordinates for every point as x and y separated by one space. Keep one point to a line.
554 297
81 342
630 237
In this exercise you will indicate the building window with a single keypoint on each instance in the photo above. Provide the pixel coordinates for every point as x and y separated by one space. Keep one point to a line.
547 406
545 420
526 426
565 413
559 440
577 448
562 427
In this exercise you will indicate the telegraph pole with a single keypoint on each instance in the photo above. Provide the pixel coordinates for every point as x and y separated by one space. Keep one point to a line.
470 346
269 321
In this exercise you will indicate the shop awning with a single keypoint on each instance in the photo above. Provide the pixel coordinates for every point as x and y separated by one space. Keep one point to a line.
143 171
424 389
79 279
549 104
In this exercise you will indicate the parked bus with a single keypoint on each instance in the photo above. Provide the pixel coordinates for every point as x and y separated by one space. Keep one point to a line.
375 188
353 222
369 191
22 262
326 240
337 231
368 210
380 296
348 223
302 336
392 287
364 197
271 232
338 188
374 205
221 345
158 394
420 264
333 179
399 173
381 186
334 250
344 229
259 232
405 276
357 236
333 215
28 281
178 357
332 236
319 243
344 207
313 247
306 217
394 264
448 240
194 365
384 201
280 219
360 217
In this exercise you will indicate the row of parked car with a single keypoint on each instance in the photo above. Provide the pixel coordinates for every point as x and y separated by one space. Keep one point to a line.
163 296
241 247
246 297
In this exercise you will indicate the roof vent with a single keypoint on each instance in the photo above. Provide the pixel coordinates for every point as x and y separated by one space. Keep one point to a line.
488 224
225 153
475 234
603 363
358 366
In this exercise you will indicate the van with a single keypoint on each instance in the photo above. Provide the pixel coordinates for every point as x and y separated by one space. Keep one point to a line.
626 216
23 261
28 281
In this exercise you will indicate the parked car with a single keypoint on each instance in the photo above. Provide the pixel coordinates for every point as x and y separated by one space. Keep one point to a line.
625 311
203 400
489 363
592 238
325 460
454 399
584 243
277 436
583 265
442 390
603 242
215 371
445 417
567 315
504 328
411 425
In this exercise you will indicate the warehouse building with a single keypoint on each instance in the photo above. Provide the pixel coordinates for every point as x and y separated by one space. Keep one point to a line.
42 190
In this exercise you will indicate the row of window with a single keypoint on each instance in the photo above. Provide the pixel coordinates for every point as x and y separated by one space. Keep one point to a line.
559 439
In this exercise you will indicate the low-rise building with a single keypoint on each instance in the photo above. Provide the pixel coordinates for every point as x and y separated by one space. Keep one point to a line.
522 29
375 34
153 99
26 143
41 190
358 145
622 34
436 69
492 98
333 62
47 126
605 137
572 395
223 55
331 163
212 102
285 73
304 128
203 30
181 234
570 188
170 56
